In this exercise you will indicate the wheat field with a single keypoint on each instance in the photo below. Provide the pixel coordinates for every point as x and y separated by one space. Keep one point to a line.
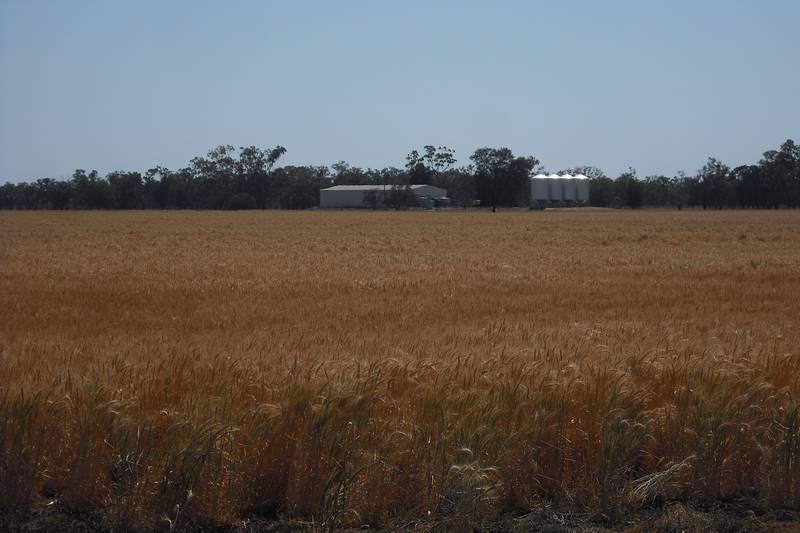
174 369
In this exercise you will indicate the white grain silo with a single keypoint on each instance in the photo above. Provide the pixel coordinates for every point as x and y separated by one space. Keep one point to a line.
556 188
540 188
582 188
570 188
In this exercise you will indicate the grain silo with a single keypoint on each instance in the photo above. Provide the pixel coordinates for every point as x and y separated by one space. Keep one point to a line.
570 188
540 188
582 188
555 189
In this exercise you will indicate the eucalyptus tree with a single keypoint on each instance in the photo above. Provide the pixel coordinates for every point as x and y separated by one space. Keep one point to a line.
423 167
501 178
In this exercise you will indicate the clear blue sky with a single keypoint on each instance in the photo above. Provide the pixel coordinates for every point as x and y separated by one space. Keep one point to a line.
659 86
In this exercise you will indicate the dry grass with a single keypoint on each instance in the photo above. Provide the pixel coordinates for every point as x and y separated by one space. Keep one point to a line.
163 369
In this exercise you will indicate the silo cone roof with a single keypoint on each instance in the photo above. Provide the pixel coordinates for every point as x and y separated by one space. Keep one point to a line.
560 176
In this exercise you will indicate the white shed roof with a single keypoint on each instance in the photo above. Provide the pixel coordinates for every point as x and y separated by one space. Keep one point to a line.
370 187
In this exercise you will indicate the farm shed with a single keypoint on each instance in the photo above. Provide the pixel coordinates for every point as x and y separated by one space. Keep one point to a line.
559 188
354 195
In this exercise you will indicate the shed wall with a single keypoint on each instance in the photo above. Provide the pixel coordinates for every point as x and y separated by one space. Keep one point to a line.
341 198
430 191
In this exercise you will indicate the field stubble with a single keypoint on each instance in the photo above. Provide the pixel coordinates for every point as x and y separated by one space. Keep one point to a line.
166 369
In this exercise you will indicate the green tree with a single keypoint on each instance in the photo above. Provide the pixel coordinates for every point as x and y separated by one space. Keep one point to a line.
501 178
89 191
299 185
750 186
422 168
8 196
127 189
254 172
682 189
715 184
657 190
345 174
215 176
241 201
459 184
601 192
781 175
628 190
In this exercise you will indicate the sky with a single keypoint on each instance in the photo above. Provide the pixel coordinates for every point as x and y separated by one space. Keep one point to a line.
658 86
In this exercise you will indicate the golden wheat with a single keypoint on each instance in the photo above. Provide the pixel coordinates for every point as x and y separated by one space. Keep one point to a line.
171 368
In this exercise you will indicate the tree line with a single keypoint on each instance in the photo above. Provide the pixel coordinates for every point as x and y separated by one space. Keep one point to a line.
249 178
